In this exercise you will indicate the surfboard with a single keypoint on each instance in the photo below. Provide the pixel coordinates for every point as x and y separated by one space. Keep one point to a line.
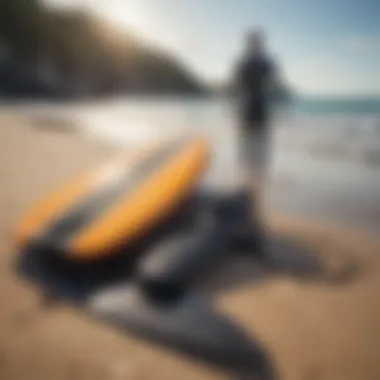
155 299
98 212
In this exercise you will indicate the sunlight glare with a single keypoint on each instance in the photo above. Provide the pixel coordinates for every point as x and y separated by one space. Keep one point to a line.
128 14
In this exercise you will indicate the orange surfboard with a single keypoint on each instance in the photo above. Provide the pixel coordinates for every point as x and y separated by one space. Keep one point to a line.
120 202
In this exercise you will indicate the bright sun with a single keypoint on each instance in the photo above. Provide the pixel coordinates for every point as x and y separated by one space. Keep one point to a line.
126 14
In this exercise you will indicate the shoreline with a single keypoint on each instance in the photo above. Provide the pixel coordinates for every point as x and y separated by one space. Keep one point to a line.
315 326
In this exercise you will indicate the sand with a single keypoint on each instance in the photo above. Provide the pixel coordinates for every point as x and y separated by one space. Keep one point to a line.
315 324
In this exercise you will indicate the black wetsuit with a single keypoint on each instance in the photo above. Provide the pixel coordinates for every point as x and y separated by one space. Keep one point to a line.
253 76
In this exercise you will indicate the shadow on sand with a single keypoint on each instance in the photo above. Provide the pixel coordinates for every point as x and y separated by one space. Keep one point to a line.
286 257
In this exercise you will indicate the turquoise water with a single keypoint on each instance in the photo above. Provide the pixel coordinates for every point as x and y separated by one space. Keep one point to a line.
347 106
300 105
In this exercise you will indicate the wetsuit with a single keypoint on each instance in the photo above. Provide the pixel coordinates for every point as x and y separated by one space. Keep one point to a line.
254 76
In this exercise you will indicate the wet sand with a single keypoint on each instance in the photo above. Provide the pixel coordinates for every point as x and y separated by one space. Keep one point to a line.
315 324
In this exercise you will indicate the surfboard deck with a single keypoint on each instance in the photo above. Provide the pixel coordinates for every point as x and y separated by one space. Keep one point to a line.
116 204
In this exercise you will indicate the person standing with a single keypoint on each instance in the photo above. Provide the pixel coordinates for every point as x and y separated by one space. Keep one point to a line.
255 80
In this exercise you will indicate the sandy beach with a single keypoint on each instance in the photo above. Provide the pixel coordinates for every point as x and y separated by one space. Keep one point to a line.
322 325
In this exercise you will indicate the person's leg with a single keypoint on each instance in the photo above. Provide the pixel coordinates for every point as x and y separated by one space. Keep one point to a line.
251 156
260 165
245 158
253 160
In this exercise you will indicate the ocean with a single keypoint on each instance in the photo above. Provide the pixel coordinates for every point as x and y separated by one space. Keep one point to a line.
325 162
334 106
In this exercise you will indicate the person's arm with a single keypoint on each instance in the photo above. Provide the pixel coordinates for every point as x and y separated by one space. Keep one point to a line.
276 87
238 79
235 89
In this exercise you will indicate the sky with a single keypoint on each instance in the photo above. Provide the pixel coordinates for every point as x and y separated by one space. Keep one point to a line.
321 47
